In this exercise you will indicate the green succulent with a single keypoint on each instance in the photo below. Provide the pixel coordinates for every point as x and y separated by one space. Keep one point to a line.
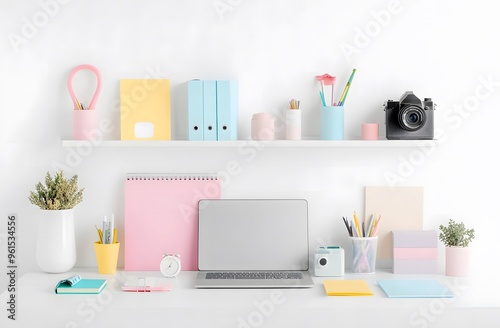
455 234
58 193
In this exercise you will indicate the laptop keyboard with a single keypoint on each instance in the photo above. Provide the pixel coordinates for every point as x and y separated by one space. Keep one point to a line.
254 275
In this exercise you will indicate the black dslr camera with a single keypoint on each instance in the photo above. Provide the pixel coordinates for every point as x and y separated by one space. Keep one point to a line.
409 118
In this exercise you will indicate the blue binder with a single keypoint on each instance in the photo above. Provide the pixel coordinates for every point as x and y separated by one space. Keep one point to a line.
209 110
227 110
195 110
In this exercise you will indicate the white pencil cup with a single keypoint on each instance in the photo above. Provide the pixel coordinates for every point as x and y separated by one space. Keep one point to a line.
364 254
293 124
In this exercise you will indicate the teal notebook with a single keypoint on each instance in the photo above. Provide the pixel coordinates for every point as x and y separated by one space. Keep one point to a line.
428 288
76 285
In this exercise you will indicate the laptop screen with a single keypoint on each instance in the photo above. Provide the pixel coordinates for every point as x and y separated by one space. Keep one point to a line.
253 234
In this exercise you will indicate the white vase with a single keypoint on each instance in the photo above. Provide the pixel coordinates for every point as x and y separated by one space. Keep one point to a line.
56 248
457 261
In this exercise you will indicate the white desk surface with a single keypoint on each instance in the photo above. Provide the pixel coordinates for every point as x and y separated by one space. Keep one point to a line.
477 304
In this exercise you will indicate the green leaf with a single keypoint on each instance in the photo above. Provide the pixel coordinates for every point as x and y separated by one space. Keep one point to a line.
456 234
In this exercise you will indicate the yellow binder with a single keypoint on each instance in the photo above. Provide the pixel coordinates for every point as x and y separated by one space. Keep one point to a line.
145 109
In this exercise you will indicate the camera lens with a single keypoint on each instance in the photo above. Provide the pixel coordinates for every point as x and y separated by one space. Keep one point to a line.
411 118
322 261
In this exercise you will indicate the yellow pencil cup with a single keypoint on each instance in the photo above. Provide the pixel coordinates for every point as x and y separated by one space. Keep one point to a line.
107 257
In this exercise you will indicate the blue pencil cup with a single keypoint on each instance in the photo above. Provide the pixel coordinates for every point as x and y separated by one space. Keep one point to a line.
332 123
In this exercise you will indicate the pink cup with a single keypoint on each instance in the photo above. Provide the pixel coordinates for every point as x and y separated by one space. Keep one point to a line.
84 122
262 127
369 131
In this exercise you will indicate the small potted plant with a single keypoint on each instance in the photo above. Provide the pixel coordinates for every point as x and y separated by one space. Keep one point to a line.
456 238
56 248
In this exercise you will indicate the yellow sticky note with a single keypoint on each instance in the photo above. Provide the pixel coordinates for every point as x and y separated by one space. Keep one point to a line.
347 288
145 109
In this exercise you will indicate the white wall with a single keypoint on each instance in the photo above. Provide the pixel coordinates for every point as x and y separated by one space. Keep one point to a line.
446 50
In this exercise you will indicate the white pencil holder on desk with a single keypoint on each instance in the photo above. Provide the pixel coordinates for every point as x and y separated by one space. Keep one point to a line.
364 254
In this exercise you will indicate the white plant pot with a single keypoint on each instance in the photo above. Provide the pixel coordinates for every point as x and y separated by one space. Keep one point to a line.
457 261
56 248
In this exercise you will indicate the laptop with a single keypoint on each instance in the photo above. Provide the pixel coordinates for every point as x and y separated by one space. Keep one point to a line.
253 243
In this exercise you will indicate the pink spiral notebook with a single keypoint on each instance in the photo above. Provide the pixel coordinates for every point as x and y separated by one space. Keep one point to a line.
161 216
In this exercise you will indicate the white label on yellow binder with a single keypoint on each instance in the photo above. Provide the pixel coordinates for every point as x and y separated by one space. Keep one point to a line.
144 130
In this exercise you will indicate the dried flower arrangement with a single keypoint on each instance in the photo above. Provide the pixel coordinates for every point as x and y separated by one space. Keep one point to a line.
58 193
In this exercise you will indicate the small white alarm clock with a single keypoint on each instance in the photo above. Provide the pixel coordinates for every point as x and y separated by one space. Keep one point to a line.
170 265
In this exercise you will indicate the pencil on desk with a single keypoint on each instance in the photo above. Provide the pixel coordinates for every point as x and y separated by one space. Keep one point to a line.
358 227
99 232
348 226
369 228
375 228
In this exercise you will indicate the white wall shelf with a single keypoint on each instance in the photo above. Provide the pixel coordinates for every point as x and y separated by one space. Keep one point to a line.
353 143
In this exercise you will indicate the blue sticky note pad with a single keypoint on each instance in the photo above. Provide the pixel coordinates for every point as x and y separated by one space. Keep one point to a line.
427 288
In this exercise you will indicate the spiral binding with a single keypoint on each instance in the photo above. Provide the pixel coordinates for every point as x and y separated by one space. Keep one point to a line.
172 176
